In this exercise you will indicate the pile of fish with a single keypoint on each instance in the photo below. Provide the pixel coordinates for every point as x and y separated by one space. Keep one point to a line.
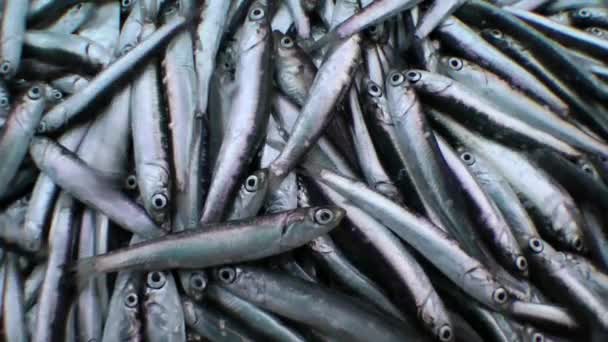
304 170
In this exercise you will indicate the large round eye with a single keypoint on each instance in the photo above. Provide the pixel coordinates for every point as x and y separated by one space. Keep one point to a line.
455 63
34 93
496 33
198 281
3 101
131 300
584 13
156 280
374 90
521 263
227 274
536 245
159 201
538 337
578 243
413 76
126 3
131 182
445 333
500 295
256 14
251 183
396 78
5 67
323 216
56 94
467 158
287 42
595 31
587 168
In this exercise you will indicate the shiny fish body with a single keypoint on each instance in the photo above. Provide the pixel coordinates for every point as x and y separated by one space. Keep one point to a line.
12 34
369 161
451 94
205 246
72 19
432 242
512 102
585 110
18 132
494 225
13 303
561 217
248 114
60 114
277 293
82 181
257 319
66 48
457 35
207 41
163 315
150 142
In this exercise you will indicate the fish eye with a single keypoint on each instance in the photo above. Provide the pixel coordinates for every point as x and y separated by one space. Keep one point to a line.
538 337
251 184
396 78
131 182
594 30
287 42
500 295
323 216
227 274
467 158
374 90
5 67
34 93
578 243
57 95
584 13
496 33
587 168
126 3
536 245
413 76
78 6
131 300
256 14
455 63
3 101
159 201
156 280
521 263
445 333
198 281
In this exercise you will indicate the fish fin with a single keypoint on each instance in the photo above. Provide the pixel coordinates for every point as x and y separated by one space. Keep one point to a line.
82 271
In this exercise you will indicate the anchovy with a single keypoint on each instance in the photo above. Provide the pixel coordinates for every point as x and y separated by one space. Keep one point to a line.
248 115
18 131
60 114
213 324
12 35
205 246
88 185
277 292
73 18
561 218
13 316
163 315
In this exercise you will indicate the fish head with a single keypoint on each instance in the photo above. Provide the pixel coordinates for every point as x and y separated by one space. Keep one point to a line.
428 82
495 37
306 224
256 28
375 102
401 95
